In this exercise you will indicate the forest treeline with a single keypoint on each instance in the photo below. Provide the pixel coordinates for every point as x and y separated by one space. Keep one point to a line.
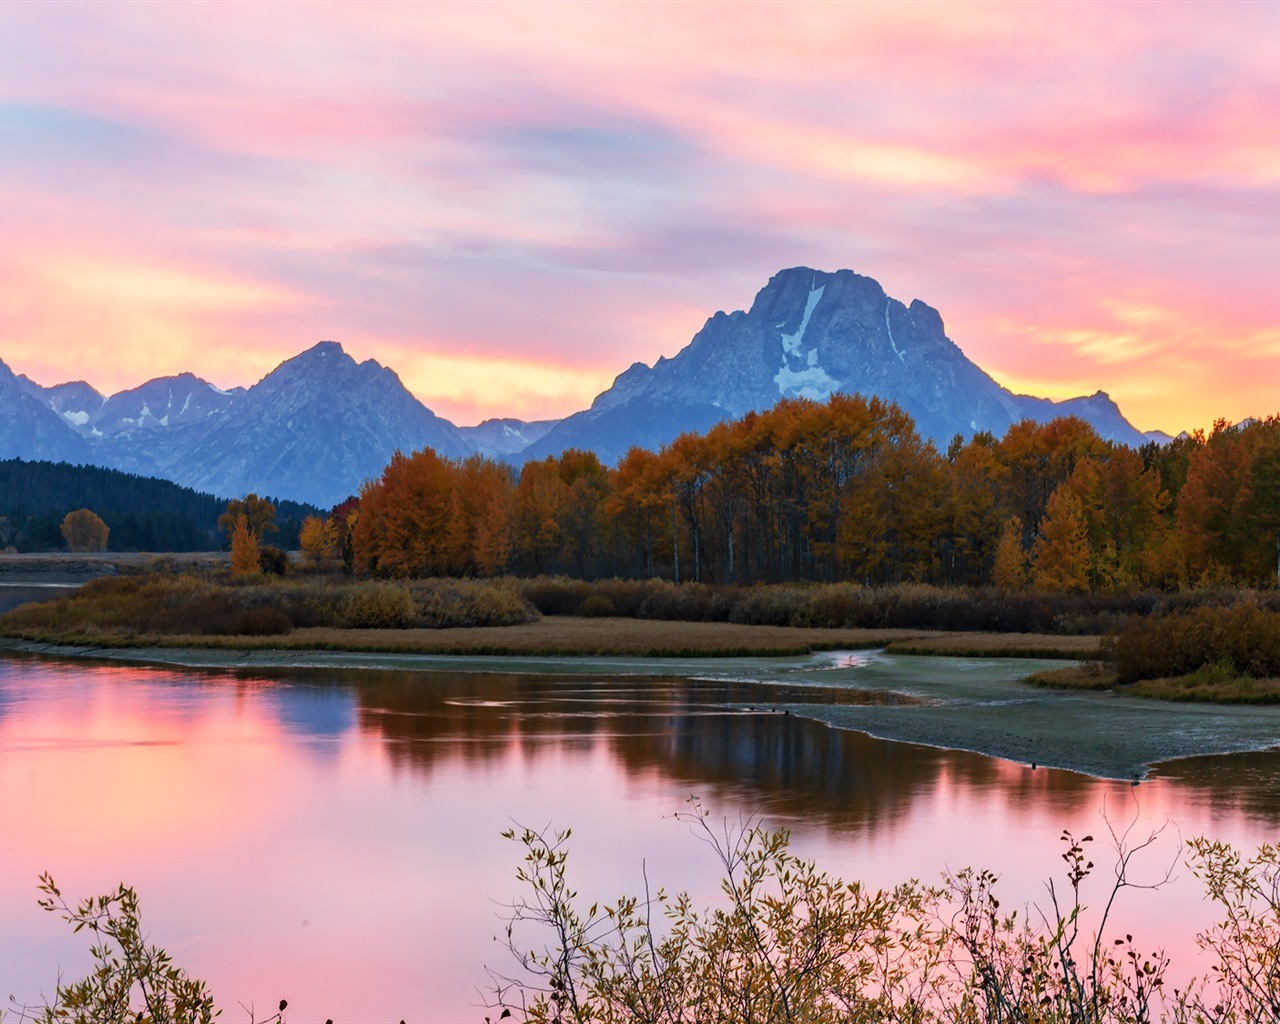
844 489
142 513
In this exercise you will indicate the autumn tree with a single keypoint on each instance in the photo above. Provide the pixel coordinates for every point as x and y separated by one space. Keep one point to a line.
404 524
587 487
259 513
480 524
1228 513
1010 569
246 551
343 516
84 531
538 517
635 505
972 516
1060 555
1124 507
1038 458
318 539
689 462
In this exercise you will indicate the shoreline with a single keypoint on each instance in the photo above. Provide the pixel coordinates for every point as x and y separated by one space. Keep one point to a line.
995 714
571 636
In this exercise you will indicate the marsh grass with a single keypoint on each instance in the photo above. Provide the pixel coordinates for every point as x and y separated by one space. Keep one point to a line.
843 605
1090 675
123 609
1210 685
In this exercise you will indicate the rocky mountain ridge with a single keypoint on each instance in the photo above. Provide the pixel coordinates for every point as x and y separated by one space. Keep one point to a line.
320 424
808 334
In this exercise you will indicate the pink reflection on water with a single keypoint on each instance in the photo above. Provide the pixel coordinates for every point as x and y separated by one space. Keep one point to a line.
337 845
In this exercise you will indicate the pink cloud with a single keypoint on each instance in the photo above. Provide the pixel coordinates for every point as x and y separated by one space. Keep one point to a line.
579 186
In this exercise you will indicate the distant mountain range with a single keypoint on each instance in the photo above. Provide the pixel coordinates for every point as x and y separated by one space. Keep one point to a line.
320 424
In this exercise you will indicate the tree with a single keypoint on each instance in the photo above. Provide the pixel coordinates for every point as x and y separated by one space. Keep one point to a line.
1060 556
404 527
318 539
1010 571
259 513
246 552
84 531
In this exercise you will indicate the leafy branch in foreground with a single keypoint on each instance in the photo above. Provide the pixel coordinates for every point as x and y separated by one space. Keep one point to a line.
133 981
790 943
1246 943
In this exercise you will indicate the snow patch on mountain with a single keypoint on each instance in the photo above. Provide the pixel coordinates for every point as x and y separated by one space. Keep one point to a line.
888 303
800 376
791 342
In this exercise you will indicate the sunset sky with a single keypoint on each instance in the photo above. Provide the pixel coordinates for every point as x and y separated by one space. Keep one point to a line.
510 203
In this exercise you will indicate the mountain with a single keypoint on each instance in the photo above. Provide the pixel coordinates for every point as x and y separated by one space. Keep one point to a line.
809 334
160 403
500 438
320 423
313 429
75 401
30 427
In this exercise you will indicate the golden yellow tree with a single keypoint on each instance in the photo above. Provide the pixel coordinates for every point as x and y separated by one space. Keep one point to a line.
245 549
84 531
318 539
1010 570
1060 555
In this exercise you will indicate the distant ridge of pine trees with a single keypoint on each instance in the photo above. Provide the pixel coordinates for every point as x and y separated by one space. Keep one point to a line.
143 513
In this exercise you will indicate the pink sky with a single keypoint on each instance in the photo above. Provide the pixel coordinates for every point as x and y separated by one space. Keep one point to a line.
510 203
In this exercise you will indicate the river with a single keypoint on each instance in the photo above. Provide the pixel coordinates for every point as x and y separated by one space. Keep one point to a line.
331 836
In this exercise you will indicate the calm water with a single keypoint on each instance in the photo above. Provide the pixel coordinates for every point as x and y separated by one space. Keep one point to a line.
332 837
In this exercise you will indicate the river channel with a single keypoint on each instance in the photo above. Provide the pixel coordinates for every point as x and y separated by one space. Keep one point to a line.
330 835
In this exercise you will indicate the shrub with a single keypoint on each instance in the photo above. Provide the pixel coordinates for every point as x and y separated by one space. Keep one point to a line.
377 604
272 560
597 606
443 603
791 944
1242 640
261 622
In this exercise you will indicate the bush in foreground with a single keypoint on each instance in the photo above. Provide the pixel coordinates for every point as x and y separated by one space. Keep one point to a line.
133 981
790 944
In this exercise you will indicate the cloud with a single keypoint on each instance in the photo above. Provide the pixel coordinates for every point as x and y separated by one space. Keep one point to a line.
559 190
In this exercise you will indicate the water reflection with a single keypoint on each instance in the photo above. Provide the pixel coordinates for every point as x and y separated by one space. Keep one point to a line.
330 835
737 739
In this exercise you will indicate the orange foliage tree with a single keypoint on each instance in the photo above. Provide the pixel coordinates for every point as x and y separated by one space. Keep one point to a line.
843 489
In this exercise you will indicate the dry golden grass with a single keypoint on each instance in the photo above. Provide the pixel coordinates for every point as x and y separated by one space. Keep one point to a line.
1092 675
998 645
562 635
556 635
1194 687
